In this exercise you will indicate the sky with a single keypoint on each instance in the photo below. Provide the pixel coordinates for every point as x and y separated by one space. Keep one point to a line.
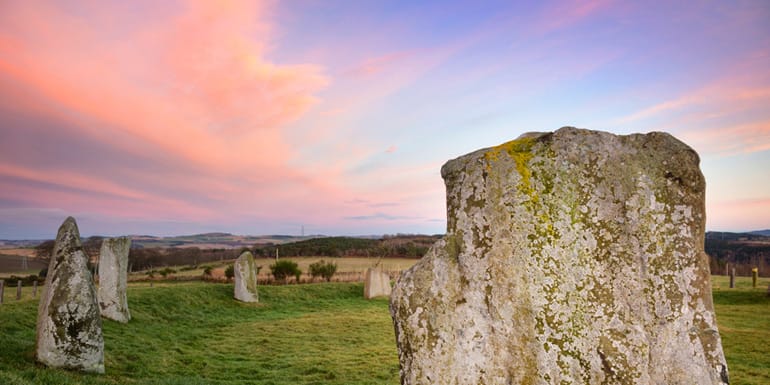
334 117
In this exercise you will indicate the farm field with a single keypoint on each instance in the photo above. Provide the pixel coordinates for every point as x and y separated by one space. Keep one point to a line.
11 260
324 333
348 268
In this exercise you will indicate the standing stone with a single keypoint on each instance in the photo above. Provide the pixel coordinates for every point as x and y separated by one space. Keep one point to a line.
573 257
113 272
376 283
246 278
732 278
69 328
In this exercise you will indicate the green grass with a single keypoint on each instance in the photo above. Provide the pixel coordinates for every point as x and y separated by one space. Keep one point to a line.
195 333
743 316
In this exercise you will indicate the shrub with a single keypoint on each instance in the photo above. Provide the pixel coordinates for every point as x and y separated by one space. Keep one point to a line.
43 272
25 281
165 272
285 268
230 272
207 271
323 269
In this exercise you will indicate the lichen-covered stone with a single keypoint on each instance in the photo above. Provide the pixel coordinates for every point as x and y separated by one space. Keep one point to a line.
246 278
573 257
69 327
113 271
376 283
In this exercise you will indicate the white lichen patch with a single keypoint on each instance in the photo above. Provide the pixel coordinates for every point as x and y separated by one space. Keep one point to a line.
570 258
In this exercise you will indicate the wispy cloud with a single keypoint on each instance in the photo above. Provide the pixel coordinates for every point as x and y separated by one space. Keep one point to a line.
565 14
379 216
725 116
741 214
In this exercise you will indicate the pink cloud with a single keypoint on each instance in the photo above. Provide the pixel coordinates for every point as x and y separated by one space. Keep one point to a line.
191 84
725 116
376 65
196 84
743 215
730 139
77 193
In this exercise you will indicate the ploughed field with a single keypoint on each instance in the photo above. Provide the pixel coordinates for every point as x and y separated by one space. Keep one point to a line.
321 333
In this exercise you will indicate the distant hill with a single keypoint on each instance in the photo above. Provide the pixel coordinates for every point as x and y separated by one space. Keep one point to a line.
761 232
214 240
728 236
218 240
204 241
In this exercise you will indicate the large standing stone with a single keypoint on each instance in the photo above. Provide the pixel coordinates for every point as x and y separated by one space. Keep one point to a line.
113 271
573 257
376 283
69 327
246 278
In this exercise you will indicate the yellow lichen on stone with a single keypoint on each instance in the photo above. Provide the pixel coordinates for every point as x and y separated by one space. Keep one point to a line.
520 150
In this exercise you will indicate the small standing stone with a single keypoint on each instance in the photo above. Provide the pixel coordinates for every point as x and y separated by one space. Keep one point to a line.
113 271
18 290
69 327
2 290
732 278
376 284
246 278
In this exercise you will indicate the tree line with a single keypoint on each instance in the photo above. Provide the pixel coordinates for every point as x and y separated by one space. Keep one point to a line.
409 246
148 258
741 253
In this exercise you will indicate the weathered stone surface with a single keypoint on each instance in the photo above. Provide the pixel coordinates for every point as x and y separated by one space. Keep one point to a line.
376 284
69 327
113 271
573 257
246 278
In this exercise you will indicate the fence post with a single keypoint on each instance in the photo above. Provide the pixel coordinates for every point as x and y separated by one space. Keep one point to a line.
18 290
34 288
2 289
732 278
754 275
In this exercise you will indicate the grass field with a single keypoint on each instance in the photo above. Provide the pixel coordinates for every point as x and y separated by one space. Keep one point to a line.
743 315
194 333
